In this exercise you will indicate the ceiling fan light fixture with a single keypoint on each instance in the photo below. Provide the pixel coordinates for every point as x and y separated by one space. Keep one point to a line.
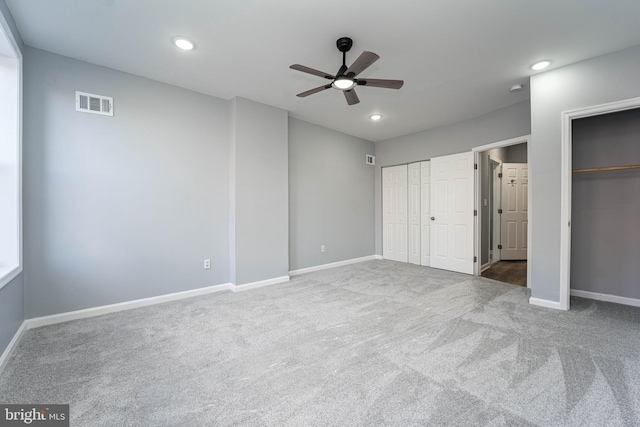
343 83
346 79
183 43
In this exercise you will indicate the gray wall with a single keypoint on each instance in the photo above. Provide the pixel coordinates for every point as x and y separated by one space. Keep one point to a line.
260 228
331 196
605 214
499 125
516 153
607 78
12 294
124 207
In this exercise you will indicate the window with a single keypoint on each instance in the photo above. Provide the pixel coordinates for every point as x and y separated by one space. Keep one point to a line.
10 151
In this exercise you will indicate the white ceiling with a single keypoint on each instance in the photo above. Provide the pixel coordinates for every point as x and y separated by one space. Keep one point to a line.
457 58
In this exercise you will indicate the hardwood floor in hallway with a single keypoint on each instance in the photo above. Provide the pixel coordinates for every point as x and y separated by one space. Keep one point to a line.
514 272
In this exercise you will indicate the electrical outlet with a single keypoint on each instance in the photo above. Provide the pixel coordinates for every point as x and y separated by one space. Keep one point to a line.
207 264
321 248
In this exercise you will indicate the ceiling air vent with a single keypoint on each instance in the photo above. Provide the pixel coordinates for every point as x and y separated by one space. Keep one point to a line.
371 160
96 104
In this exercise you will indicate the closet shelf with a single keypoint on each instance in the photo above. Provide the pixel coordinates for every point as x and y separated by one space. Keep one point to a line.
607 168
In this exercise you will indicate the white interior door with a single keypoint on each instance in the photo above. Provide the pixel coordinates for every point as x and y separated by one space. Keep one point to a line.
515 180
425 213
452 212
414 191
394 216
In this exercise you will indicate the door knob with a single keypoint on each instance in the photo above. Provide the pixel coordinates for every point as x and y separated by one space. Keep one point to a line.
433 218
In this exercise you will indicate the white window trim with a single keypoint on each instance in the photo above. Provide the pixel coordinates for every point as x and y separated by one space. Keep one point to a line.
10 272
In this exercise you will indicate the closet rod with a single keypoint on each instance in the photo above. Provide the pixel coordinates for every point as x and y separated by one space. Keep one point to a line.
607 168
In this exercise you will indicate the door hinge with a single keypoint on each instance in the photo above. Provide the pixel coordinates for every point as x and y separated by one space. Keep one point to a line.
475 166
475 212
499 211
500 175
499 246
475 259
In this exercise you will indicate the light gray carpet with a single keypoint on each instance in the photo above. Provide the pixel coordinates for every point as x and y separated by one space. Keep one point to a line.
375 343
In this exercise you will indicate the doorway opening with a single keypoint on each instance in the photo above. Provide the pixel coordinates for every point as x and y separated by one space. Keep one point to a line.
596 178
502 203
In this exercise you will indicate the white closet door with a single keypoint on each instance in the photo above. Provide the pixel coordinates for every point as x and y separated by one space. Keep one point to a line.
425 214
394 215
452 212
414 213
515 181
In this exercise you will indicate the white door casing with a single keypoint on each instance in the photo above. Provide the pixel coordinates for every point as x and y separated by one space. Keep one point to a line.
413 229
394 215
495 206
452 204
425 213
515 179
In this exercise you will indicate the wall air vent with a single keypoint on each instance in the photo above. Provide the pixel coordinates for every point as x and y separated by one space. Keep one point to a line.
96 104
371 160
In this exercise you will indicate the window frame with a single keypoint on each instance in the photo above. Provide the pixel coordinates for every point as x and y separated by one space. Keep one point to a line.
12 269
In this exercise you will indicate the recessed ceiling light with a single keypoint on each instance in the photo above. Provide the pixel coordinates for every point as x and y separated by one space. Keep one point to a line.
183 43
540 65
375 117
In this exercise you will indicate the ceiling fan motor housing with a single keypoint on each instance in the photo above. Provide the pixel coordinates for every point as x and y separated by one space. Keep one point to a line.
344 44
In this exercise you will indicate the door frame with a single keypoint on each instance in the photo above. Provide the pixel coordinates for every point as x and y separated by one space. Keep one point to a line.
565 187
494 216
478 198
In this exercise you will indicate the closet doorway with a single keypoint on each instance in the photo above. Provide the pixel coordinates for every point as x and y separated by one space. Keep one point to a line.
567 173
605 183
502 203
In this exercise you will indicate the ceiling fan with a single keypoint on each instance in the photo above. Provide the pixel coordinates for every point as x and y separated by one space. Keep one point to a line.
345 79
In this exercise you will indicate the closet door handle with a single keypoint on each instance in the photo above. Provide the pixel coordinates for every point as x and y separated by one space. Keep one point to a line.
433 218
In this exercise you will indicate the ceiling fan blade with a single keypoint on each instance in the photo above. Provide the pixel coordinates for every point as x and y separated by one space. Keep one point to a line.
351 96
362 63
304 69
312 91
389 84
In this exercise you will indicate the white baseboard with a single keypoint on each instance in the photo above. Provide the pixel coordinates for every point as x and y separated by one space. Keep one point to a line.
545 303
6 355
260 284
128 305
333 265
606 297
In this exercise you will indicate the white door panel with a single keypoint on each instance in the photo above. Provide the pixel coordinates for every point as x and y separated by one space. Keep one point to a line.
414 213
514 211
452 212
394 218
425 213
